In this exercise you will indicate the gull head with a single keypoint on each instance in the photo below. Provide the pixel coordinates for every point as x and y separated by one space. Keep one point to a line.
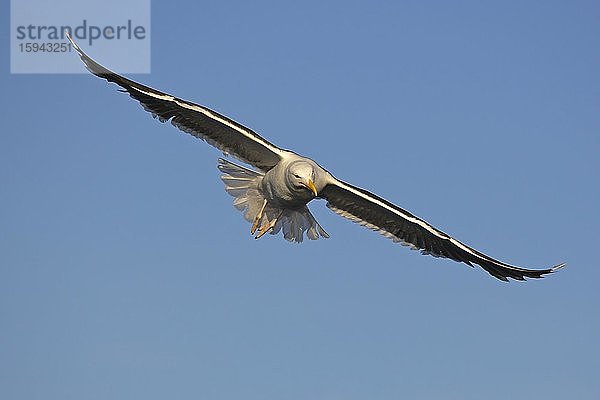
301 175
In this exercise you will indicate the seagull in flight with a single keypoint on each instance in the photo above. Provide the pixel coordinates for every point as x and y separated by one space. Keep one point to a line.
274 197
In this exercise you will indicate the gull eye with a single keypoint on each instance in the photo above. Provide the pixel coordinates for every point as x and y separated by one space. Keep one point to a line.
297 176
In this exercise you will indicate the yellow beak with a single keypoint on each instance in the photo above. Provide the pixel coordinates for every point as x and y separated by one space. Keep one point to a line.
311 185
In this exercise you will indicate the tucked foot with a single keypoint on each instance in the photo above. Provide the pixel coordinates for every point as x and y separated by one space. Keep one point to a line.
258 218
267 227
264 229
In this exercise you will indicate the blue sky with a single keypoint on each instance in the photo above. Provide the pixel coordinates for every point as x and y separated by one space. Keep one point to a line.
126 272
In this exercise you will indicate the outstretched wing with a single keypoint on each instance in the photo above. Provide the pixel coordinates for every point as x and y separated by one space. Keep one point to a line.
401 226
199 121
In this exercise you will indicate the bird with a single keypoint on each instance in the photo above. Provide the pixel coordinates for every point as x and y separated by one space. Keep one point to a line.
274 196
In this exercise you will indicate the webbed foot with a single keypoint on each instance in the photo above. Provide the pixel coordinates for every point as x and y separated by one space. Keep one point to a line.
258 218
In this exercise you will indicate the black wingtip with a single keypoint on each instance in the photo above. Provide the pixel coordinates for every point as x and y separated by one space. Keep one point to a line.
89 63
539 274
505 272
557 267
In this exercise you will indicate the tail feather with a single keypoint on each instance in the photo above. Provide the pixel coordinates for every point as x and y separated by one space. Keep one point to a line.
242 183
294 223
240 203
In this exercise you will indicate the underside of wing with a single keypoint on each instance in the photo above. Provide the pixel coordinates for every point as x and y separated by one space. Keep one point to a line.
401 226
223 133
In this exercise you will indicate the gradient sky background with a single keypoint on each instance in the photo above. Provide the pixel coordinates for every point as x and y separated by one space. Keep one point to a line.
125 272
